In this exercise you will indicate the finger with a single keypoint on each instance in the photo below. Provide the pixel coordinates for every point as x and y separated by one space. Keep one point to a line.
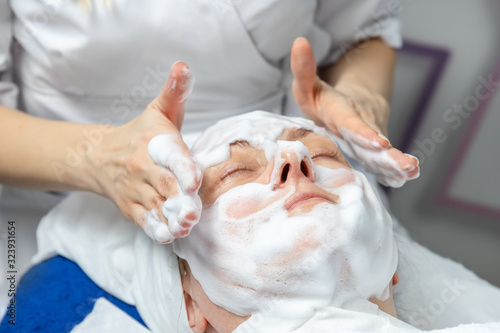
152 200
346 115
303 66
163 181
390 166
178 213
169 151
405 162
182 212
156 229
358 133
415 173
150 222
363 134
412 167
137 214
400 168
154 224
184 209
171 99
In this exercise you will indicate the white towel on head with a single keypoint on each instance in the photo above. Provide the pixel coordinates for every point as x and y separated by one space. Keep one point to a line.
118 256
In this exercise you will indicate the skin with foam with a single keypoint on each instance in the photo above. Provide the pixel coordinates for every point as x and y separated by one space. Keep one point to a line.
183 209
298 231
376 159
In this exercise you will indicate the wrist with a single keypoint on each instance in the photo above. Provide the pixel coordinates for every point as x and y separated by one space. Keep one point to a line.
370 64
88 153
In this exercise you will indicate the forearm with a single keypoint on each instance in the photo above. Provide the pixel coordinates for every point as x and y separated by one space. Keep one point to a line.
369 64
45 154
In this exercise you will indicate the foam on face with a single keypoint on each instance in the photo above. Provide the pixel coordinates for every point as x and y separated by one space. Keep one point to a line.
260 261
258 128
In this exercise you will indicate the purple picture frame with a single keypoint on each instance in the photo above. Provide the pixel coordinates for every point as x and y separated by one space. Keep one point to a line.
444 197
440 57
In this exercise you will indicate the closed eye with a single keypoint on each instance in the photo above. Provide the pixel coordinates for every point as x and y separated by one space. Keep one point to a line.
234 171
324 155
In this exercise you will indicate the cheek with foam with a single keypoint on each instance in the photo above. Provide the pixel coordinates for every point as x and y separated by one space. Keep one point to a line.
332 255
332 180
239 208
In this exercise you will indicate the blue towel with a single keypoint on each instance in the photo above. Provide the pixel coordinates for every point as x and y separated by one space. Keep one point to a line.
55 296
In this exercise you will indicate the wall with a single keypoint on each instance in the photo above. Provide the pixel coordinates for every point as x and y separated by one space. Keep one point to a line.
452 48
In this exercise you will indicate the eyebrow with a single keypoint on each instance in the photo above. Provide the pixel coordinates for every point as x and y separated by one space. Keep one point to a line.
240 144
296 134
291 134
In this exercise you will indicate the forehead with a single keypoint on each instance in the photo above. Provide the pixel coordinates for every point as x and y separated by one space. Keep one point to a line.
289 134
259 129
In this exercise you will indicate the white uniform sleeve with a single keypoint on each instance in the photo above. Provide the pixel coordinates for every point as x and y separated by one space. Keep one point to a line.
8 90
349 22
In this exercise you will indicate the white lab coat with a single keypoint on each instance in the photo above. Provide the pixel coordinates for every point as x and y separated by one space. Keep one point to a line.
106 65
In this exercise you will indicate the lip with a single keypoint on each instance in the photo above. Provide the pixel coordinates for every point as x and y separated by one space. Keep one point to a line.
300 199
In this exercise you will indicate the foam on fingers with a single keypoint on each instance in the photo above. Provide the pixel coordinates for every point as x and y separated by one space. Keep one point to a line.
182 210
156 229
167 150
389 170
181 81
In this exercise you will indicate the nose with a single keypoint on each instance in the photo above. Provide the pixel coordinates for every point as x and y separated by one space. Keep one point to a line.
296 164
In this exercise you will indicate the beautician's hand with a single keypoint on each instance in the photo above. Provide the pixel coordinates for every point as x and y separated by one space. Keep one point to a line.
353 113
140 182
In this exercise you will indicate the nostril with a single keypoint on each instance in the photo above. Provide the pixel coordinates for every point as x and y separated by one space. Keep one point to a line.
284 172
304 169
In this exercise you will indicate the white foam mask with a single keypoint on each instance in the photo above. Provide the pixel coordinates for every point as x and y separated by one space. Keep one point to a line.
251 256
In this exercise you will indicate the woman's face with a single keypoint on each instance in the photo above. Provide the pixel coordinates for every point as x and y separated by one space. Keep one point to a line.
248 164
287 227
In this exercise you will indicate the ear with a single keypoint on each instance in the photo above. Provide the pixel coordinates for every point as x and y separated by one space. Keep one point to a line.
196 319
395 279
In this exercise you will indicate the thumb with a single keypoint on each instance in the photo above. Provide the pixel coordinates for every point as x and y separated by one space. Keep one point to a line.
303 66
172 97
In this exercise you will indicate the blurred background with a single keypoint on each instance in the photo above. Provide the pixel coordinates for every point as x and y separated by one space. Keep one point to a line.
446 111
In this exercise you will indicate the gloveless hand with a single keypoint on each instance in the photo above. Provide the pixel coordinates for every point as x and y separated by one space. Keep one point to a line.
354 114
125 172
